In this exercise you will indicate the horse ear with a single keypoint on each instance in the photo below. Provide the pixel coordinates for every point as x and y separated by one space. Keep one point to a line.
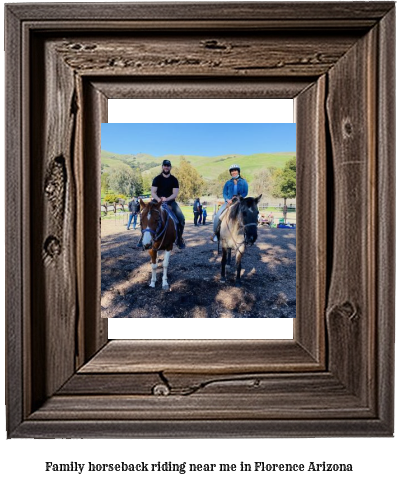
258 199
142 204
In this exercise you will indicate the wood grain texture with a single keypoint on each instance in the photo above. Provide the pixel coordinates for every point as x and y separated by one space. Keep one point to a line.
53 211
250 428
15 259
312 216
207 11
203 407
241 54
352 125
385 244
185 384
318 384
95 329
200 356
197 87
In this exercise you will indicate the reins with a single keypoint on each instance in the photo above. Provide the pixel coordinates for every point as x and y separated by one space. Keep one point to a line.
237 245
158 234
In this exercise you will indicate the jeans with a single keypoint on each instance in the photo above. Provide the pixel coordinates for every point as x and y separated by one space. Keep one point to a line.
179 214
134 218
217 216
196 215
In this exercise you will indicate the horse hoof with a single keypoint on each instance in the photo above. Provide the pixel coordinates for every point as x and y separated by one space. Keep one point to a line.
152 284
223 280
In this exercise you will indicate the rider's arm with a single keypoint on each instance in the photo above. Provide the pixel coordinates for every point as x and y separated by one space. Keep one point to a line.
226 191
154 195
173 196
245 188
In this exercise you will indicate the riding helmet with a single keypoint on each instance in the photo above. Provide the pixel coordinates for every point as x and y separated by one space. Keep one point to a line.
235 167
166 163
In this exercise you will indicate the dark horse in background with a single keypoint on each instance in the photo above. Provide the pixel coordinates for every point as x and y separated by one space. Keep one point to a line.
239 228
159 233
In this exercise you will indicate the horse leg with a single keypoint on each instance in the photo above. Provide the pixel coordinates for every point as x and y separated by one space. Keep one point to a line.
228 263
165 284
153 255
238 269
224 258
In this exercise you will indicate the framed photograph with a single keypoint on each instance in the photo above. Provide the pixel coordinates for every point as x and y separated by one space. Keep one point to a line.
65 378
259 284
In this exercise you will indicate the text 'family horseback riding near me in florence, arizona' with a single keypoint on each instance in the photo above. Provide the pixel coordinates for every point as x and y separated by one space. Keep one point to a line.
198 220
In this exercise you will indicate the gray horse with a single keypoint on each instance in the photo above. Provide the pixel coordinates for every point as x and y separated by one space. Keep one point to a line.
239 228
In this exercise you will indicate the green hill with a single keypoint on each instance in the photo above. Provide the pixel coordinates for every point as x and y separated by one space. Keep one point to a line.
208 167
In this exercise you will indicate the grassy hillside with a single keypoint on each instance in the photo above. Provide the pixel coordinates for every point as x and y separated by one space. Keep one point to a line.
208 167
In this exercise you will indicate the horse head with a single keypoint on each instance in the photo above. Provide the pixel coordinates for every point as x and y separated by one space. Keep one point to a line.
248 210
151 221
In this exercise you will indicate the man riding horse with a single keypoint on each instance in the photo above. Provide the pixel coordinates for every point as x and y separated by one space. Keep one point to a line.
233 188
165 188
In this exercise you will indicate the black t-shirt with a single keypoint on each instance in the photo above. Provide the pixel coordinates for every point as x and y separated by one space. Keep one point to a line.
165 185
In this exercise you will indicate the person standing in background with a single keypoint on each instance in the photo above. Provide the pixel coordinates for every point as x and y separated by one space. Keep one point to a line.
199 214
195 211
134 208
204 215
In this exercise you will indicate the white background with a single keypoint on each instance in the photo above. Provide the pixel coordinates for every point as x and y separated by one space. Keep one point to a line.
374 459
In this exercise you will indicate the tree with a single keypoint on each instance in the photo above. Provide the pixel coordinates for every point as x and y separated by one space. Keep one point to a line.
139 186
224 176
126 181
212 188
262 182
104 182
147 183
284 182
190 181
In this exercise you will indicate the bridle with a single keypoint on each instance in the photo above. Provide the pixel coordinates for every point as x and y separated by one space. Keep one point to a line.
159 232
242 225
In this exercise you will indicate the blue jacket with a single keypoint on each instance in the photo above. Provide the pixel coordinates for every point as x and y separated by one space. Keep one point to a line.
228 190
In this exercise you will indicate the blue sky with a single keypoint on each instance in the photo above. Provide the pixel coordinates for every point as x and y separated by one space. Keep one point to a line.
200 139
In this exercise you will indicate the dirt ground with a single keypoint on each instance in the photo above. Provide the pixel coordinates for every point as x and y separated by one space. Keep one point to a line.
268 277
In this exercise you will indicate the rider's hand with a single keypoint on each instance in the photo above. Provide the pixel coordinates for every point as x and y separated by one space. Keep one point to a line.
163 199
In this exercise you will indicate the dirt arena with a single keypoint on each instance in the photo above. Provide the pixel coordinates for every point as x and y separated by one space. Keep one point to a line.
268 277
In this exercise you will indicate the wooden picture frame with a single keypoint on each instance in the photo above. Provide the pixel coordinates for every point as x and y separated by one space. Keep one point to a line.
335 378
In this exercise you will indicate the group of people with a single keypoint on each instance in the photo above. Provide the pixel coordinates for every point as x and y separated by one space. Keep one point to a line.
200 213
266 221
165 188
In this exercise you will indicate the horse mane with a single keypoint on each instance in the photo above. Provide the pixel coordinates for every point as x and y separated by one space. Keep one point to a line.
236 208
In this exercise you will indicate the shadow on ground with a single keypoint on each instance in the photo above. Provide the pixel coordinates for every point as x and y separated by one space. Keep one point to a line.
268 278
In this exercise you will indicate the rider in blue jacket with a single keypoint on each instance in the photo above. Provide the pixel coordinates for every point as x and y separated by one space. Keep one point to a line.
236 186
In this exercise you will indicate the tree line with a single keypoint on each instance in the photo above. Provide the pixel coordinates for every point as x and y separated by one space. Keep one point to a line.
123 183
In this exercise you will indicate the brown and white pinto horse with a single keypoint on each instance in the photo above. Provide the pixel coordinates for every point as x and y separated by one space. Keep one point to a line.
239 228
159 233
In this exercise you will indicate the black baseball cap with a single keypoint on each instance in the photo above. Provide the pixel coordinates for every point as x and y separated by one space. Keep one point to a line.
166 163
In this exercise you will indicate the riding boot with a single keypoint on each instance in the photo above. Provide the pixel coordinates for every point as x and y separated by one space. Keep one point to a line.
216 236
180 241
